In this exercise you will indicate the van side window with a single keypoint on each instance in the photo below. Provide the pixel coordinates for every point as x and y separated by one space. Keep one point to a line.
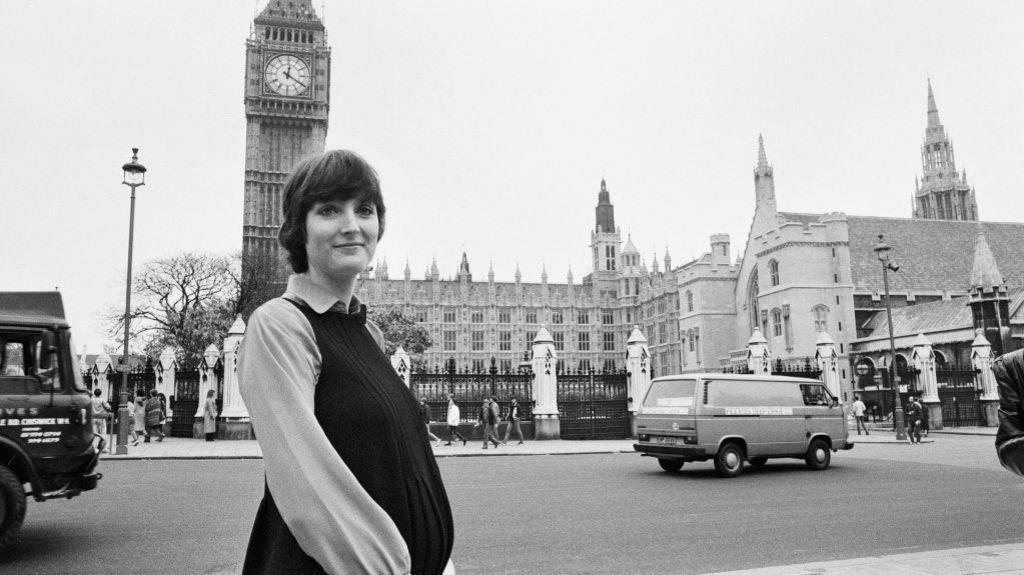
815 394
670 393
740 393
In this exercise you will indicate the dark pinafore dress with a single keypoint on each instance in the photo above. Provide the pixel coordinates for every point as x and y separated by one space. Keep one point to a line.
373 421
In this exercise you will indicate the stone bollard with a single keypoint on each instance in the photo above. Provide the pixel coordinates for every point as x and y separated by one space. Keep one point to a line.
545 387
981 360
922 358
638 370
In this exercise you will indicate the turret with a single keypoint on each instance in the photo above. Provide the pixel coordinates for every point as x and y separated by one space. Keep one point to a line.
720 249
988 298
942 193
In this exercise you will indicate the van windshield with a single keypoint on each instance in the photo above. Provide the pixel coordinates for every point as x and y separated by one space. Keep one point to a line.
671 393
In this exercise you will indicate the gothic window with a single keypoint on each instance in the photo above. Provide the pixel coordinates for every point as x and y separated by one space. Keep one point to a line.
531 317
505 365
504 341
662 333
559 339
820 313
583 318
689 337
266 33
584 342
752 291
504 315
477 317
776 322
478 366
773 272
689 301
421 315
530 336
449 341
449 316
609 365
607 318
478 341
609 341
661 305
556 317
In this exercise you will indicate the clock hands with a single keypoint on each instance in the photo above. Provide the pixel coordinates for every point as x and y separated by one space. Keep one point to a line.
292 78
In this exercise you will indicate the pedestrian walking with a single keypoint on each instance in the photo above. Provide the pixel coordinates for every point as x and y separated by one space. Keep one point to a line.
100 412
489 420
913 413
425 415
352 485
454 417
139 417
513 421
210 416
858 414
1009 372
154 414
133 431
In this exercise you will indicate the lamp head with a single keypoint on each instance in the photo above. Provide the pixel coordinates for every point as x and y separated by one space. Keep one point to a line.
882 249
134 172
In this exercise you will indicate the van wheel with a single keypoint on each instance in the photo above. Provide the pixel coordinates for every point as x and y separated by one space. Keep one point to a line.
818 455
729 461
12 507
758 461
671 465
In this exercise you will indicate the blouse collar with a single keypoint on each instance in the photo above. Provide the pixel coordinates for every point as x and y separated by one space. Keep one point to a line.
300 286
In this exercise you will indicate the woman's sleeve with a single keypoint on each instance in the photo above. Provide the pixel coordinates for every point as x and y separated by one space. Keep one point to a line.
331 516
1010 434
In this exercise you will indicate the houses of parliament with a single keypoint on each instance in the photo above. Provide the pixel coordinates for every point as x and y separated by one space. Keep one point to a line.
798 275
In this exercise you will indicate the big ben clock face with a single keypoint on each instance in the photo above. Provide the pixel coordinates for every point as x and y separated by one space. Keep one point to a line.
287 75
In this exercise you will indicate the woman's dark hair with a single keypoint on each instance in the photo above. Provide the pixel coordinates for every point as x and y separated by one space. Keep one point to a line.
209 393
334 175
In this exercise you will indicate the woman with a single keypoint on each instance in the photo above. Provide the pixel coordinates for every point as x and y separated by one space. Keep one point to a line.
154 415
140 413
210 416
351 482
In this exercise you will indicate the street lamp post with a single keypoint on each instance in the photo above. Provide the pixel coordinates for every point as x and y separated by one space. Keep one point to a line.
134 176
882 249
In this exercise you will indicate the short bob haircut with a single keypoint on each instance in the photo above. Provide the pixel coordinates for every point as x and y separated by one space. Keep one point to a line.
334 175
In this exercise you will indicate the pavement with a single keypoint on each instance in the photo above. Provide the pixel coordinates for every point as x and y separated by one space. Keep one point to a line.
991 559
186 448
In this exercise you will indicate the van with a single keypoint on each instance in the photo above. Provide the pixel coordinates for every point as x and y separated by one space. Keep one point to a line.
732 418
46 438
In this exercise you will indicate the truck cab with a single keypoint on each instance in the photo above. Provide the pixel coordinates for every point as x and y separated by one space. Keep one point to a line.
46 438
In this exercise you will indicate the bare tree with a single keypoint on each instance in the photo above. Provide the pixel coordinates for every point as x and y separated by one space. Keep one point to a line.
186 301
257 280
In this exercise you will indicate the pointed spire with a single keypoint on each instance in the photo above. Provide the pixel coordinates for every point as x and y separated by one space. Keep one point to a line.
654 262
604 212
933 110
518 274
668 260
568 276
434 273
490 271
762 157
408 270
984 271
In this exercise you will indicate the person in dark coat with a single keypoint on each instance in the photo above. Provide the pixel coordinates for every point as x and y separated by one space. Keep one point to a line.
913 413
513 421
488 417
425 415
1009 372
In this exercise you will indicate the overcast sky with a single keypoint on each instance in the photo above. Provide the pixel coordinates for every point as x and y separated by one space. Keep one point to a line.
492 123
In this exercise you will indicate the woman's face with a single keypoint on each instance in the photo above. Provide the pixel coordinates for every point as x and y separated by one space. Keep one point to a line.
341 237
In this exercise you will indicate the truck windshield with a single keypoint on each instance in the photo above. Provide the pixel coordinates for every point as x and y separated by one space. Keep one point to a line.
671 393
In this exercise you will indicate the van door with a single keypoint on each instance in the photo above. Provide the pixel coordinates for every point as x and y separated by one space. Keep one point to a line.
761 411
822 414
668 410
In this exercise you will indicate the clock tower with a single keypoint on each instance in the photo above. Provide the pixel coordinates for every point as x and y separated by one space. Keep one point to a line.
287 97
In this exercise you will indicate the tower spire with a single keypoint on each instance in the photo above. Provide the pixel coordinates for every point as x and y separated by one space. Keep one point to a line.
933 110
764 180
762 157
943 193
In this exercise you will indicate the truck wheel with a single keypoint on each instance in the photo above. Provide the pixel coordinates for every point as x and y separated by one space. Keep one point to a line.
729 461
671 465
818 455
758 461
12 507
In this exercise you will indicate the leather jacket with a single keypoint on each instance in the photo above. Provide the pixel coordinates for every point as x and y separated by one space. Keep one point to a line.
1009 372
